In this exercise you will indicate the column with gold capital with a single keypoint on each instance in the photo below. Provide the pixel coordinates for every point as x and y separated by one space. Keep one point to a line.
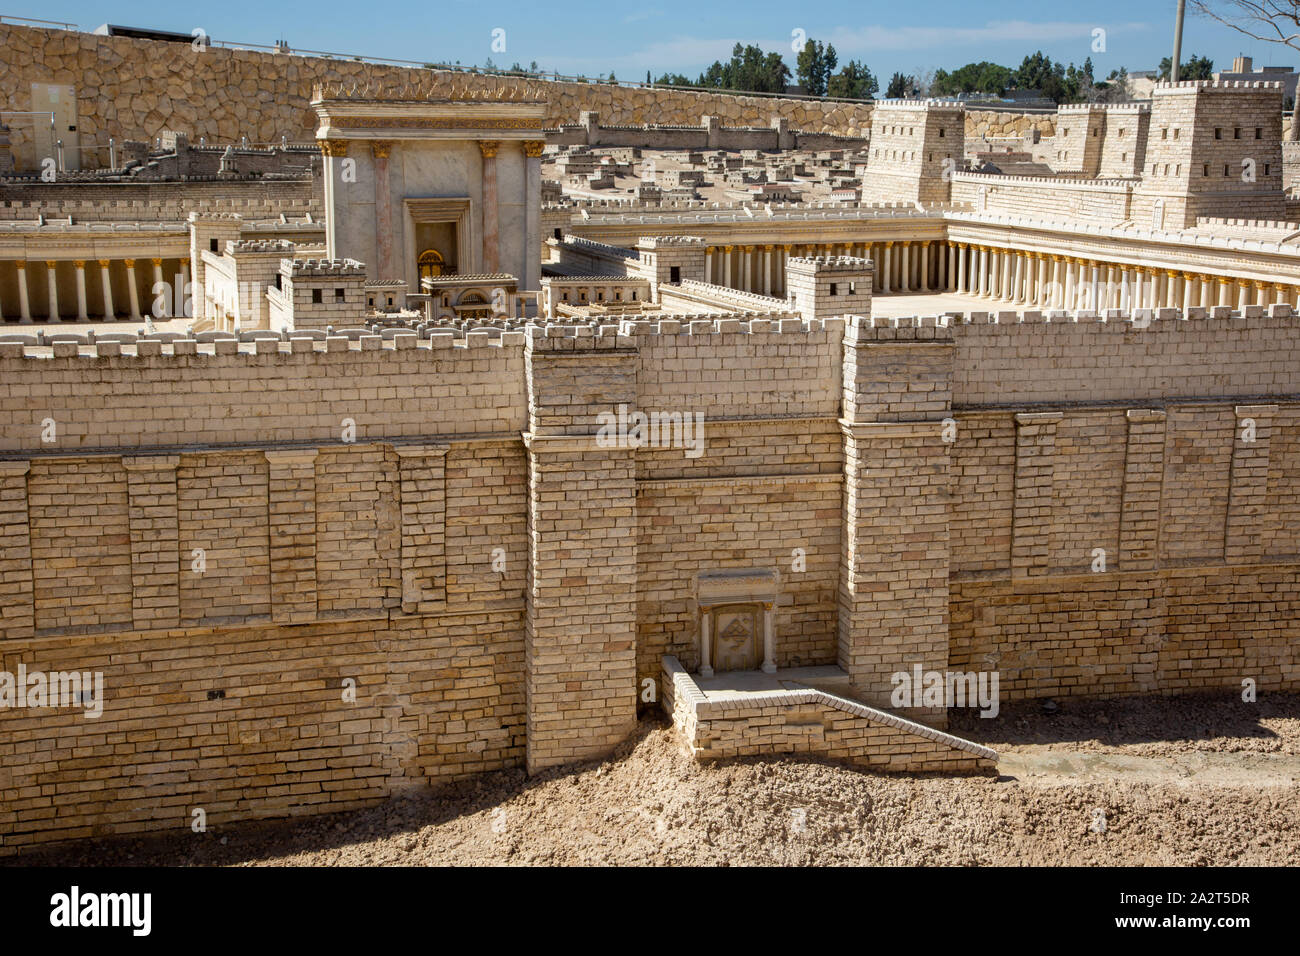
380 150
533 149
491 223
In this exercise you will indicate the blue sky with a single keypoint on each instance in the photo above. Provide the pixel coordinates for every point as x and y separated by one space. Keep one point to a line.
687 35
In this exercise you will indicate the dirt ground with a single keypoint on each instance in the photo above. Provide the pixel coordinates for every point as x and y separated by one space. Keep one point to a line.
1190 781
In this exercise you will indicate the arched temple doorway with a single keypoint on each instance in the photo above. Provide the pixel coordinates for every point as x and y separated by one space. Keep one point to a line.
431 264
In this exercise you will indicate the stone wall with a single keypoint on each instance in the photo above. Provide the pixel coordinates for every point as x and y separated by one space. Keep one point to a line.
812 722
996 124
135 89
1100 202
1162 501
499 600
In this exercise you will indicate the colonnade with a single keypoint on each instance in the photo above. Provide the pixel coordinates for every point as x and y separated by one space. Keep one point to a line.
1018 277
82 290
901 266
1049 281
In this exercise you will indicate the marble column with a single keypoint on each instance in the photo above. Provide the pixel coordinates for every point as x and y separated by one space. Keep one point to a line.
24 302
984 272
106 285
1188 288
905 268
532 278
884 275
767 270
747 268
961 268
708 266
80 266
380 150
925 266
133 290
52 285
491 221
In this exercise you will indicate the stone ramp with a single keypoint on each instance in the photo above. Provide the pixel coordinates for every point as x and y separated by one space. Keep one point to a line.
757 715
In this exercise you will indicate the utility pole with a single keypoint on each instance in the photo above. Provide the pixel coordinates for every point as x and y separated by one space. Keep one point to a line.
1178 41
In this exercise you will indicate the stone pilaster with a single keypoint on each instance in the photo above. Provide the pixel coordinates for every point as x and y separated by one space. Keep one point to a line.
422 470
17 600
491 220
291 511
1144 473
893 596
580 643
1031 522
155 540
1247 520
383 209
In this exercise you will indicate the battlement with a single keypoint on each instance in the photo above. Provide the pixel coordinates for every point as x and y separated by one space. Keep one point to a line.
659 242
258 245
922 105
306 268
1103 108
829 264
1165 87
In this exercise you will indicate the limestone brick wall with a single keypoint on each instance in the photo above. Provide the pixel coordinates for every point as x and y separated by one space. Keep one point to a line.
1057 360
1080 131
1102 202
914 149
268 392
252 722
209 702
727 368
1214 149
135 89
814 723
1140 539
160 202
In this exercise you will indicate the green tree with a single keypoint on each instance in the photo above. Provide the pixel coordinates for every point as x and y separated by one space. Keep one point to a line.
1197 68
814 67
854 82
982 77
673 79
749 70
899 87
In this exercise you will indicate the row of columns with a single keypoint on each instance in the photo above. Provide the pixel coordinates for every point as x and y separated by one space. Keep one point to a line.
900 266
1045 280
109 306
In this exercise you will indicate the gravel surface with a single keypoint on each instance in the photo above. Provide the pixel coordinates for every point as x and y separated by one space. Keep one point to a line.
1190 781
